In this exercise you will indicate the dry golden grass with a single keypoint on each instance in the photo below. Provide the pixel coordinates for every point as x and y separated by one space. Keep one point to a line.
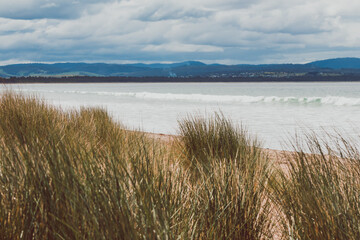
80 175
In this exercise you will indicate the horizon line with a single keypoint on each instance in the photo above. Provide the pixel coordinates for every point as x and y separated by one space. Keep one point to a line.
127 62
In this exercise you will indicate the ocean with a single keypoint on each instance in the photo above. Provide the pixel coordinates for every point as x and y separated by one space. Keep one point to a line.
274 112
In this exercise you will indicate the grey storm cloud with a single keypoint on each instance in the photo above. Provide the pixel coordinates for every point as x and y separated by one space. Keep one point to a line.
225 31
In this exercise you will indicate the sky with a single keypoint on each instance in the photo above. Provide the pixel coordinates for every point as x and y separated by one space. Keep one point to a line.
211 31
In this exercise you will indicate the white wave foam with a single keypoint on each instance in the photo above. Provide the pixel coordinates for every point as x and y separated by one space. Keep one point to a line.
328 100
331 100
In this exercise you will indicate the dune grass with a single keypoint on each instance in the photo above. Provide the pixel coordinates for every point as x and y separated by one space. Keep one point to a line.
80 175
233 171
319 192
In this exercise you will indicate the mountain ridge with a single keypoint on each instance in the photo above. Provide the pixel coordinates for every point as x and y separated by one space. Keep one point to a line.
181 69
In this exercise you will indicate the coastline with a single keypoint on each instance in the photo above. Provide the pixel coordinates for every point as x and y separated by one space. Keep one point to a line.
165 79
277 156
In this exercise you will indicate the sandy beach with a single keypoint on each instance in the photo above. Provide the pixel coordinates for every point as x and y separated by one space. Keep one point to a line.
278 156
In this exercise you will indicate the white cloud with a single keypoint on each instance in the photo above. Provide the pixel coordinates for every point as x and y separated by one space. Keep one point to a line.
179 47
212 30
36 9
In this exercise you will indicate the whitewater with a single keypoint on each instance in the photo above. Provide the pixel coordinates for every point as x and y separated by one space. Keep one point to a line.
272 111
334 100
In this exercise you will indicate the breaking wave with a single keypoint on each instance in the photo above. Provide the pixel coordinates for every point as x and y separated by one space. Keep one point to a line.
328 100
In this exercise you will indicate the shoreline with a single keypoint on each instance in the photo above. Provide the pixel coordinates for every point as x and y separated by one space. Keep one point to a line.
278 156
189 82
185 79
140 82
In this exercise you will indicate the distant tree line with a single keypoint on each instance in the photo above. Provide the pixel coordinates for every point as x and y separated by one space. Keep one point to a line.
116 79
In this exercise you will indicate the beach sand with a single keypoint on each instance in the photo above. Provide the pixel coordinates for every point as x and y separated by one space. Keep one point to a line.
278 156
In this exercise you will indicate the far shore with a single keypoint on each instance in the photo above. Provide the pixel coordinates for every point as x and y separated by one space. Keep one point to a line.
165 79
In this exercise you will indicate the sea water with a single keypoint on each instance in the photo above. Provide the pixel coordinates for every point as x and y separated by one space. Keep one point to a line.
272 111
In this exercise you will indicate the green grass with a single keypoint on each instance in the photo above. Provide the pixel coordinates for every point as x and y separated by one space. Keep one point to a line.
80 175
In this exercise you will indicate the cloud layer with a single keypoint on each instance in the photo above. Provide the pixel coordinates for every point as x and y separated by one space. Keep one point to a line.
225 31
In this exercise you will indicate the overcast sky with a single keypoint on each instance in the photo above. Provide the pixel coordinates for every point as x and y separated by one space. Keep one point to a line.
222 31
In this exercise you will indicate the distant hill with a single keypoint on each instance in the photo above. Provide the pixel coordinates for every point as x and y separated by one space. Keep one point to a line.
338 63
182 69
92 69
